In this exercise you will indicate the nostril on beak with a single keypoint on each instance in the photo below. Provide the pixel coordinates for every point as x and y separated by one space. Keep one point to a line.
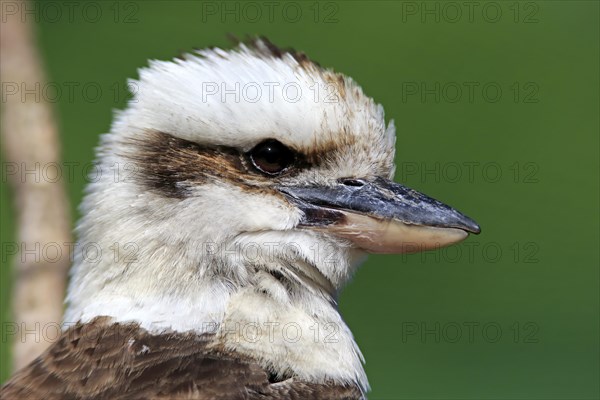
352 182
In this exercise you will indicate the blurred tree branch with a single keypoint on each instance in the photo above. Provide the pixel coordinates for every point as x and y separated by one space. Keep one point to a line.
30 142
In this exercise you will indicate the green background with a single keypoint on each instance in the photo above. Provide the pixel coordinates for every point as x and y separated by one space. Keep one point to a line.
533 272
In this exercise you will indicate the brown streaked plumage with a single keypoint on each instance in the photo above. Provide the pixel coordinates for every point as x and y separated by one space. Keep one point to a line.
103 360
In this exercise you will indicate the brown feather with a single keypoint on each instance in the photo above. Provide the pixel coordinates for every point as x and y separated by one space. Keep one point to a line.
102 360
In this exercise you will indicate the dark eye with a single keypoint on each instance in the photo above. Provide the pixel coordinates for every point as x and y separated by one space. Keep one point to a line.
271 157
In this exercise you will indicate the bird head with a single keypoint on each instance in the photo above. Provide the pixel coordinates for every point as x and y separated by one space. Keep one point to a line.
229 162
242 187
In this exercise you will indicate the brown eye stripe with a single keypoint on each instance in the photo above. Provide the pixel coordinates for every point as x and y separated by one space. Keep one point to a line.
172 166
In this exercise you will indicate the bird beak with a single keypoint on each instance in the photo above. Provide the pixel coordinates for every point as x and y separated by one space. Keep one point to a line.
380 216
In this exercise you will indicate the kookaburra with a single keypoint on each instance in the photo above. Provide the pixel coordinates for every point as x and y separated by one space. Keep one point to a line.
238 192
